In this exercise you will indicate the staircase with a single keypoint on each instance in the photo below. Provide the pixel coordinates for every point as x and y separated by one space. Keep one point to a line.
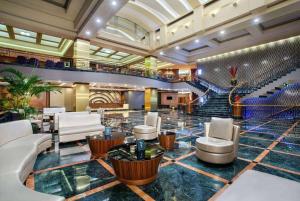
217 105
269 87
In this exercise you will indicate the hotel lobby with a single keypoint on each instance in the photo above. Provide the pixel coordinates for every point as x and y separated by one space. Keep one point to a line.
155 100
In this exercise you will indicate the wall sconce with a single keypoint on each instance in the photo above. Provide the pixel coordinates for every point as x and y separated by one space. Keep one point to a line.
235 4
213 14
186 26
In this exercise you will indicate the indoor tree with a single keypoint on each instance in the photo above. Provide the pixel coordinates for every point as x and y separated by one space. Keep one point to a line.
21 89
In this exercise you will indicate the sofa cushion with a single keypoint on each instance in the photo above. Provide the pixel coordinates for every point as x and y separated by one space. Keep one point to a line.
80 129
151 119
35 139
16 159
214 145
221 128
144 129
13 130
78 119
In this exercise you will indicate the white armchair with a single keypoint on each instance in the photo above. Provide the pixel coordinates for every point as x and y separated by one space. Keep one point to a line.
150 129
221 141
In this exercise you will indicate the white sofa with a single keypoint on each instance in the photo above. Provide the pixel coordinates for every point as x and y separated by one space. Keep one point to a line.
66 113
258 186
220 143
77 125
150 129
47 112
18 151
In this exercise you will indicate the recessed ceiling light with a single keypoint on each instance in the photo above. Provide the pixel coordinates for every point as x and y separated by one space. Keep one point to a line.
222 32
197 41
161 53
98 20
177 47
88 33
256 20
114 3
246 64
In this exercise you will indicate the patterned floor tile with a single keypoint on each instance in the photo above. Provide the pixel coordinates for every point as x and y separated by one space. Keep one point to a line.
288 148
53 159
225 171
249 153
276 172
281 160
119 192
73 180
255 142
174 183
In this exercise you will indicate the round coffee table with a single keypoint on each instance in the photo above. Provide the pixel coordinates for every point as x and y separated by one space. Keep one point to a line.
167 140
99 145
130 170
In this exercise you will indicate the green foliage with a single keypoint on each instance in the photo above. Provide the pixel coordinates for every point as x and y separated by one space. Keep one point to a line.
22 88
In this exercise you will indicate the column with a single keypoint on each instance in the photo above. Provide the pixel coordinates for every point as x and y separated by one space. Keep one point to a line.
81 53
151 99
82 93
150 66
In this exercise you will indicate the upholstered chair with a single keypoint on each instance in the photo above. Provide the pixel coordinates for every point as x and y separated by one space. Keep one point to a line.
150 129
220 143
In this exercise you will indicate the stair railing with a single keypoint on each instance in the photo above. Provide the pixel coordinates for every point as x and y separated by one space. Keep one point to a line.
254 105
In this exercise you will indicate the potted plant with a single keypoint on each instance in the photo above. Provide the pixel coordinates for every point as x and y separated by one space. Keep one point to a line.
21 89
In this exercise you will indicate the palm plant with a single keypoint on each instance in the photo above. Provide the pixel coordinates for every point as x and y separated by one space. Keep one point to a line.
21 89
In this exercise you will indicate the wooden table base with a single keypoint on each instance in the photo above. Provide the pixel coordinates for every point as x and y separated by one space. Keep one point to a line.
138 172
100 147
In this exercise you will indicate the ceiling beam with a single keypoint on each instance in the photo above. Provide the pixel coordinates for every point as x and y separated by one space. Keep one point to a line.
97 50
109 56
61 42
38 38
136 62
255 31
10 31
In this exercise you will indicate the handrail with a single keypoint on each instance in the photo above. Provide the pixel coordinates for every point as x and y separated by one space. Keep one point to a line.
254 105
205 93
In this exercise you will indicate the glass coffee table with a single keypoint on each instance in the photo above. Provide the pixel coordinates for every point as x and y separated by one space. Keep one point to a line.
100 144
136 168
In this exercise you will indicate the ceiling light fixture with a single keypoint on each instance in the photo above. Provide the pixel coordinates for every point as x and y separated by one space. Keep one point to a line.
114 3
88 33
161 53
256 20
177 48
222 32
98 20
197 41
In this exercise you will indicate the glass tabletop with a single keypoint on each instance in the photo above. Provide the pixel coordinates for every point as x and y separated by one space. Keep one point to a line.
128 152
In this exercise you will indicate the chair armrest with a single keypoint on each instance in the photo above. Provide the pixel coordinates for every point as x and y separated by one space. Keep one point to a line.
206 128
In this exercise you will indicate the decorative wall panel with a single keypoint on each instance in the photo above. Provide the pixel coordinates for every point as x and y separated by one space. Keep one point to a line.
105 96
256 65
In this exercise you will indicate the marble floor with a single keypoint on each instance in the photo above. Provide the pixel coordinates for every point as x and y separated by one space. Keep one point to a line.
266 145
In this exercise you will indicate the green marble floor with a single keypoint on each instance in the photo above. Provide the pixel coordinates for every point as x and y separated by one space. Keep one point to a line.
71 173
